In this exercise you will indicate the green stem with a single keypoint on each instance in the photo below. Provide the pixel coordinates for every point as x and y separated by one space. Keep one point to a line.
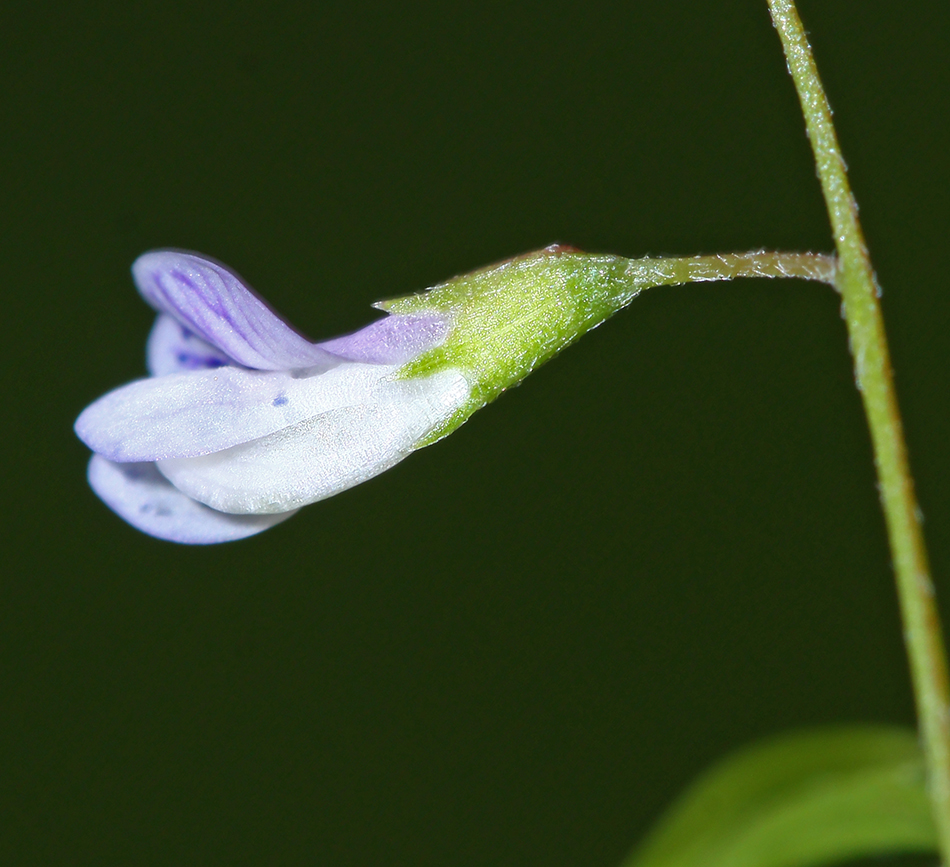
872 368
669 271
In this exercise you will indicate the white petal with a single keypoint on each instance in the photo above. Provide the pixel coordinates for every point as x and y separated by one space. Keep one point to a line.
323 455
190 414
141 495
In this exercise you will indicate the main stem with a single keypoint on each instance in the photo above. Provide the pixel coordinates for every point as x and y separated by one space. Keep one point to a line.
855 282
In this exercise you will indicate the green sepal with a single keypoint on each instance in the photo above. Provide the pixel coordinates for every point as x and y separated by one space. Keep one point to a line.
800 799
510 318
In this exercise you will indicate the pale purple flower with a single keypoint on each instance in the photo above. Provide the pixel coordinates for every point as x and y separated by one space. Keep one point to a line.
243 420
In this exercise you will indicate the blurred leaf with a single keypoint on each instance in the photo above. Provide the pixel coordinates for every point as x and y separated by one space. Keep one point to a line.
812 797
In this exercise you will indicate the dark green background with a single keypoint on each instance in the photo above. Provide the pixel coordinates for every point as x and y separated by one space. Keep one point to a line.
518 645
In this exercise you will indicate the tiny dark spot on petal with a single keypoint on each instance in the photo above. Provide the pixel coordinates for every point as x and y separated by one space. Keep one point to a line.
190 361
281 400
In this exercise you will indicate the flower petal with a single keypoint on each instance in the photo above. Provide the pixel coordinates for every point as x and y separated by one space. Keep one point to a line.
172 348
189 414
324 454
214 303
391 340
141 495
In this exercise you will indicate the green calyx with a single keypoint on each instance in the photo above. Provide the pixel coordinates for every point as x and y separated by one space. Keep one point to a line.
510 318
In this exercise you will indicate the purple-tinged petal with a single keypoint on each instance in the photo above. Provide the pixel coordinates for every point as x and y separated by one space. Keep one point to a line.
141 495
216 305
391 340
190 414
172 348
324 454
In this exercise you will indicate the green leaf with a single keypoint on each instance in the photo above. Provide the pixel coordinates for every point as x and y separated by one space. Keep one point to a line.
805 798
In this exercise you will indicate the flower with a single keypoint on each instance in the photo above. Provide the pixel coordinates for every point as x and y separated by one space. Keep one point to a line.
243 420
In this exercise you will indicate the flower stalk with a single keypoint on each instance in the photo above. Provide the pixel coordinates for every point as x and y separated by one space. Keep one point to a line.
856 283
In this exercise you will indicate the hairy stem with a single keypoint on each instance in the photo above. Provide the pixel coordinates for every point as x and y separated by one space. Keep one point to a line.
728 266
855 282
